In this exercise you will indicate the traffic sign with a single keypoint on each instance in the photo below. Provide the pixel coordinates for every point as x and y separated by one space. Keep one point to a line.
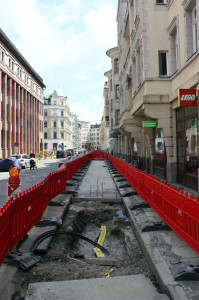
16 144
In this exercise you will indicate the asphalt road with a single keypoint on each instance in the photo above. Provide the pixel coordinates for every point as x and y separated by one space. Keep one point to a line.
28 177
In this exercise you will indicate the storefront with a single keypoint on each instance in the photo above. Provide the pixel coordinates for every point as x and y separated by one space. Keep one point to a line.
187 146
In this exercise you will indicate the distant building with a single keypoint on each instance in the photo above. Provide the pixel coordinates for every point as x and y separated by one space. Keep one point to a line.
76 130
85 136
57 123
95 136
21 110
104 126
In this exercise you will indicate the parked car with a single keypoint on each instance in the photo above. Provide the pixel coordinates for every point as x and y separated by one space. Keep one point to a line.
61 154
70 152
23 159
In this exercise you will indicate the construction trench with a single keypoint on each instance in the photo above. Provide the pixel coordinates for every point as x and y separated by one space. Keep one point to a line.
90 207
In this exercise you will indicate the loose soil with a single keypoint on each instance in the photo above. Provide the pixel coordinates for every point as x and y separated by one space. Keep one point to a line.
86 218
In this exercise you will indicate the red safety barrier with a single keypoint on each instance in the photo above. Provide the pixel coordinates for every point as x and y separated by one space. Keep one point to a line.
178 210
21 212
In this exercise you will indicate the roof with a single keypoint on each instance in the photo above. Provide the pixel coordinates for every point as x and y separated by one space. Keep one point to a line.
58 93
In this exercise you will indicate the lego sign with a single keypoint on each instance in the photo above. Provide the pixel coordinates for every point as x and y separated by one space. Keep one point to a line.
187 97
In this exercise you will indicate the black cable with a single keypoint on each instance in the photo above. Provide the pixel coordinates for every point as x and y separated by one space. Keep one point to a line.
49 233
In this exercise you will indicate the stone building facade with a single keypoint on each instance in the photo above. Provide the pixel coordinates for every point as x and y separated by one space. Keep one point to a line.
95 136
158 56
57 123
85 134
21 101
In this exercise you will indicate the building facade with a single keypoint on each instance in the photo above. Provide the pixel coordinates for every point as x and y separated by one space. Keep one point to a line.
158 58
95 137
57 123
22 92
104 125
85 134
76 129
114 102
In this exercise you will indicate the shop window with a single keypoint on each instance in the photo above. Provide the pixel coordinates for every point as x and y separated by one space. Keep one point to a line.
159 144
192 146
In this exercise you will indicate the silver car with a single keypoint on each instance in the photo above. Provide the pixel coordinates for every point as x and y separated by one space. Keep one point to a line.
23 159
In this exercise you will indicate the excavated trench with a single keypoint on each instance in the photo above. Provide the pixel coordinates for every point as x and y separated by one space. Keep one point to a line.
70 258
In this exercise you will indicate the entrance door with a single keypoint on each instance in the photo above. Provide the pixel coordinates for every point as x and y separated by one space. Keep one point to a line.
180 158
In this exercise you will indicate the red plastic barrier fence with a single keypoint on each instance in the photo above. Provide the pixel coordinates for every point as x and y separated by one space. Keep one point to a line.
178 210
21 212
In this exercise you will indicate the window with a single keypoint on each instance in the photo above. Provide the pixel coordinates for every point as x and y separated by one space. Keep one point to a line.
2 56
45 135
55 124
117 117
12 66
45 146
62 113
191 20
45 123
160 1
111 85
174 50
62 103
163 63
45 113
9 63
116 65
62 124
54 135
194 24
62 135
54 102
116 91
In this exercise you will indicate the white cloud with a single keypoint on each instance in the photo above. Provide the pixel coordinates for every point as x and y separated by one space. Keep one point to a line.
65 43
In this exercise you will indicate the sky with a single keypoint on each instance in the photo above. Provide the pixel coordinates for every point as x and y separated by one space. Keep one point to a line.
65 42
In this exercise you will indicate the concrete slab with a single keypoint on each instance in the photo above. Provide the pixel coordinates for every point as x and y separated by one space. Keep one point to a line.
98 182
137 287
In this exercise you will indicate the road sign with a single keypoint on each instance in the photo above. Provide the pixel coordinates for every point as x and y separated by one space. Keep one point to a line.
16 144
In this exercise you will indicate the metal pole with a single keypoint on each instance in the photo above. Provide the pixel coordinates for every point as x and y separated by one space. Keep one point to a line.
102 190
97 187
90 191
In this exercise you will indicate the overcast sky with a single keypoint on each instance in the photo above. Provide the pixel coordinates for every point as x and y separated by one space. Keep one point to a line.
65 41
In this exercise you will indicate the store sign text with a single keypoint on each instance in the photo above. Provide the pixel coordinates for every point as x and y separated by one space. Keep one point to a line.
187 97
